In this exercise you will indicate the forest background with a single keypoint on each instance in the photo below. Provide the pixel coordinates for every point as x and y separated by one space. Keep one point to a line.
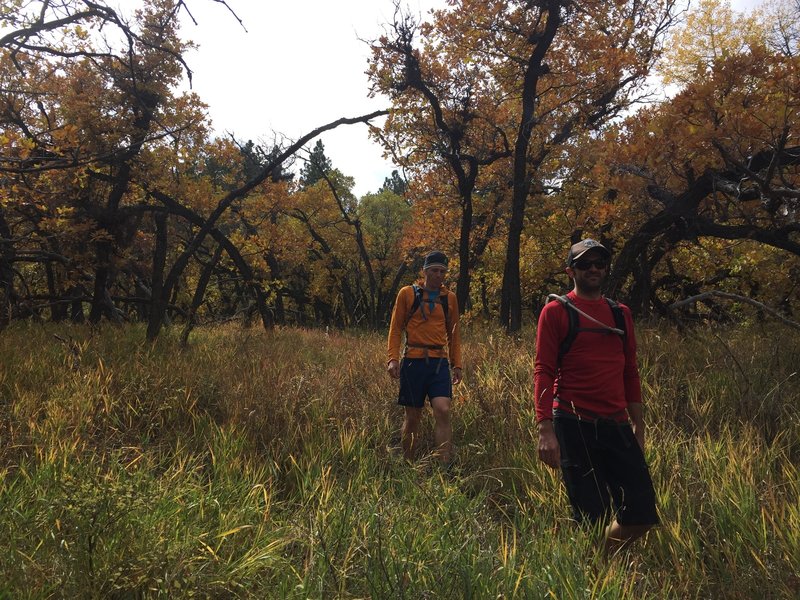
161 459
517 128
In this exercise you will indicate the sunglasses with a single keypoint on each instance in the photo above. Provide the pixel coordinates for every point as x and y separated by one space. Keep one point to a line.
585 264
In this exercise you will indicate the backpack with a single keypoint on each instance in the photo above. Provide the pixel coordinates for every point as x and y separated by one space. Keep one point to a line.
573 330
443 300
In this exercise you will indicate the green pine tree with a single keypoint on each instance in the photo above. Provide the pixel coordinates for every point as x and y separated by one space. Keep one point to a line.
316 165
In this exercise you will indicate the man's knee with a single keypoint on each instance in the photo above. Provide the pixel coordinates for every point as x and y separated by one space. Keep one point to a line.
441 409
412 418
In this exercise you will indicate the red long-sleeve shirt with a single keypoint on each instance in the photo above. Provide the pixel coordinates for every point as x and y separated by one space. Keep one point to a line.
597 374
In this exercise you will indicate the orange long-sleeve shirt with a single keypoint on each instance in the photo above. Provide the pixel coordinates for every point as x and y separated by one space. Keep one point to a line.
426 328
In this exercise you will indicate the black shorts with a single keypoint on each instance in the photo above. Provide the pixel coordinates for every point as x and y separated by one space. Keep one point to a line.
424 377
605 472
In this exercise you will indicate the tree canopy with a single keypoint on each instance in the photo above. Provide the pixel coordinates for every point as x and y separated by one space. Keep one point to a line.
517 127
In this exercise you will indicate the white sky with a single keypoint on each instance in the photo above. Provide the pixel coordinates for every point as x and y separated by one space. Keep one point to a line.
299 65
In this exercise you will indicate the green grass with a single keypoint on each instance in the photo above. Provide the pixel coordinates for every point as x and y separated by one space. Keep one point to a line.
262 465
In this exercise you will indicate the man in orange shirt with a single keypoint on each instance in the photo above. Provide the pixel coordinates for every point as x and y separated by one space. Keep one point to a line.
428 313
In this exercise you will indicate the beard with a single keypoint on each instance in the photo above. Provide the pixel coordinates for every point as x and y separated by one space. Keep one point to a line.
590 285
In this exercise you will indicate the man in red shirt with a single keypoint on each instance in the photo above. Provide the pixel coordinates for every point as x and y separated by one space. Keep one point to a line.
589 403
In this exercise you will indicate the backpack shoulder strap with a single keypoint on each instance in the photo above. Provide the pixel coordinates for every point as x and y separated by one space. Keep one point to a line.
572 327
417 291
417 298
445 300
619 319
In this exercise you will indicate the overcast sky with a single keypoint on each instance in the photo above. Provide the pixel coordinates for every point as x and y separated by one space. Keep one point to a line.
299 64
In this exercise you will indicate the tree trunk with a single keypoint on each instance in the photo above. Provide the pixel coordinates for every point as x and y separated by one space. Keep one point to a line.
7 295
76 294
511 300
58 310
200 293
462 290
158 300
99 307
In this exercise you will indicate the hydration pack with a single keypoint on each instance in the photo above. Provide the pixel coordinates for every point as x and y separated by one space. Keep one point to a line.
573 329
443 300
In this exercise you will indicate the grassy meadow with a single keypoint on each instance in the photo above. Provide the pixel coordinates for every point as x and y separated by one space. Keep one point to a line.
261 464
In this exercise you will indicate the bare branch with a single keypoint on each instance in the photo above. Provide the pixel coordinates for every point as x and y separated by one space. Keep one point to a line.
729 296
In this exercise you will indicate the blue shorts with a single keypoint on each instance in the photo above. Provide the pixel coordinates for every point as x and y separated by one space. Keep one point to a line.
424 377
605 472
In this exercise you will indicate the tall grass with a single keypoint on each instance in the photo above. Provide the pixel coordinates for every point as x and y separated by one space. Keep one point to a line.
264 465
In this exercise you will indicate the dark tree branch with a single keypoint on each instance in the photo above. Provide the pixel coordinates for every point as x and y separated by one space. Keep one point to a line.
736 297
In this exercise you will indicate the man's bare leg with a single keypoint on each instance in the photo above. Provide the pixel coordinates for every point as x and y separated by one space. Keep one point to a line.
443 429
410 431
619 536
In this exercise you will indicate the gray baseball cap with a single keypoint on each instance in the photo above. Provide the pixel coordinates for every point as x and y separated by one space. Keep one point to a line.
582 247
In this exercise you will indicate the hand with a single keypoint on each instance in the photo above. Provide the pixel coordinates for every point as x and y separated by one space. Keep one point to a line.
549 451
637 422
638 432
456 375
393 368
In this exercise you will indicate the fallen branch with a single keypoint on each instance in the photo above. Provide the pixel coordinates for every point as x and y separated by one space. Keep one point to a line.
729 296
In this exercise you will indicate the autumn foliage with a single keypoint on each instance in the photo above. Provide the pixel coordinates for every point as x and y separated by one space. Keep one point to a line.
517 127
